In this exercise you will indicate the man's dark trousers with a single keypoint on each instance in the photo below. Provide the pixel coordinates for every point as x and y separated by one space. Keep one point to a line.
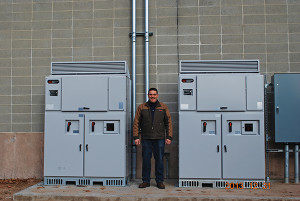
158 148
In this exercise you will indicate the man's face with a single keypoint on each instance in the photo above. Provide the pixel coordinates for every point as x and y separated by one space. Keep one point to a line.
152 95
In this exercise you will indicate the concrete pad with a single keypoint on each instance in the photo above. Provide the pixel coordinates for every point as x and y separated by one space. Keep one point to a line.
278 191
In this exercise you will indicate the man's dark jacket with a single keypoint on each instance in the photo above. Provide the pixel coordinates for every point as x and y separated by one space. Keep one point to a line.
160 128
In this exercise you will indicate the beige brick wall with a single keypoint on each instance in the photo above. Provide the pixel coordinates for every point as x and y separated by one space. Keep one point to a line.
34 33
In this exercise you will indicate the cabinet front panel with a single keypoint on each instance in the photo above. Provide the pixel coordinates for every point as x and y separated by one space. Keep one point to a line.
63 144
199 145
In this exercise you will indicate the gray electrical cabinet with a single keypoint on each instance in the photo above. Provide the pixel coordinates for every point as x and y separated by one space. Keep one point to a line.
221 123
287 107
87 124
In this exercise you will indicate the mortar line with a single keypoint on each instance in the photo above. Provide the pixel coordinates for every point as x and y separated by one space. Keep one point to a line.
72 31
11 72
221 30
199 29
288 34
266 44
243 27
31 91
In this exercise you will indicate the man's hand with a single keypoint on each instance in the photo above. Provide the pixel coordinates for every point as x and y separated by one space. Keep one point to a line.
137 142
168 141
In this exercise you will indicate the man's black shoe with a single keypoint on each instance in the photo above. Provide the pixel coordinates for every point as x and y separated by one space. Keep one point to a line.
144 185
161 185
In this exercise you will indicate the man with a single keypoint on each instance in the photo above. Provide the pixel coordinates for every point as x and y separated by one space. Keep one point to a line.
153 123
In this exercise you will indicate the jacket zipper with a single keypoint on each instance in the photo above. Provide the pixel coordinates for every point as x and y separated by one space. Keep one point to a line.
150 113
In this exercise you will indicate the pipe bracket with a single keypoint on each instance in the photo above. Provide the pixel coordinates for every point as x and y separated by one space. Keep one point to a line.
140 34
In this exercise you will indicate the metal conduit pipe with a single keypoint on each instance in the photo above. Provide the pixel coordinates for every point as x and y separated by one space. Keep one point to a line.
296 163
267 162
286 163
146 49
296 151
133 39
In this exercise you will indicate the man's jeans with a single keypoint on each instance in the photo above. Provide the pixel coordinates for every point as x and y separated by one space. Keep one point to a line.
158 147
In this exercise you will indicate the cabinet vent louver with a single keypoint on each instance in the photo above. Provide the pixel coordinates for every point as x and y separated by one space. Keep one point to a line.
99 67
211 66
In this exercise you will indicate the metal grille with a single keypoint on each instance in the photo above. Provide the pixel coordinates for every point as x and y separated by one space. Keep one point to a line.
212 66
84 181
228 184
114 182
53 182
190 183
71 68
220 184
254 184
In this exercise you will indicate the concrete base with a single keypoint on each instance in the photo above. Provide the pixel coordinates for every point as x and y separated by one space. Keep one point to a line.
278 191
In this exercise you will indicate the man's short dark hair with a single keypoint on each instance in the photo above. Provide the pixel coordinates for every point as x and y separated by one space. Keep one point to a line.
153 89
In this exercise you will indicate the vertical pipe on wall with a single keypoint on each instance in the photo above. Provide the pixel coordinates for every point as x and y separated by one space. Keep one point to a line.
133 38
296 163
146 48
286 163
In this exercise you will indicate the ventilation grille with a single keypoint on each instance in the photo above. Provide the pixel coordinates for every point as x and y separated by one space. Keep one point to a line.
255 184
219 66
230 184
220 184
84 182
190 183
71 68
54 182
114 182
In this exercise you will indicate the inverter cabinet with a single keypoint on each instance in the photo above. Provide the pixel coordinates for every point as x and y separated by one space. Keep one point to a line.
221 127
87 129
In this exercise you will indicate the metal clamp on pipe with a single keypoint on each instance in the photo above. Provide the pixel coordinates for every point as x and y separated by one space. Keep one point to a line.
140 34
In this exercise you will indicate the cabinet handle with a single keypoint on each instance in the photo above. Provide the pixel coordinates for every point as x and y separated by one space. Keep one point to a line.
204 127
80 147
68 127
218 148
225 148
87 147
93 126
230 127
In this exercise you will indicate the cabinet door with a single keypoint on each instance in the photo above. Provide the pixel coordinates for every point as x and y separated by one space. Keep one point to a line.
187 92
84 93
287 107
63 144
243 146
105 147
221 92
199 145
255 92
117 93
